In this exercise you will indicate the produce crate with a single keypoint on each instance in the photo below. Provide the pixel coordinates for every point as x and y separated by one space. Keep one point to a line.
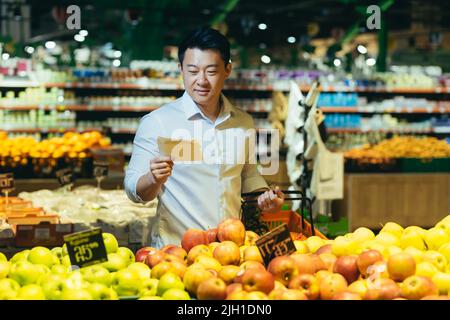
42 234
425 165
366 165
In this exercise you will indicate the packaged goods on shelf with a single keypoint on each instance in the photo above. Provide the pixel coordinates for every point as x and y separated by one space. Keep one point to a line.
32 96
15 67
339 99
109 209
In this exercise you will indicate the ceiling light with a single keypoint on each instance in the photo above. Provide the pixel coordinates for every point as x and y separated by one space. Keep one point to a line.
5 56
117 54
79 38
291 39
83 33
265 59
50 44
361 49
116 62
262 26
29 49
337 62
371 62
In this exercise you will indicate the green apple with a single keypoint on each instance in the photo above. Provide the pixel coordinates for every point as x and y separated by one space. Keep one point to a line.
25 272
176 294
149 287
110 241
169 281
41 255
3 257
66 261
30 292
141 269
97 274
8 289
115 262
64 250
127 283
150 298
53 286
4 269
58 252
99 291
126 253
60 269
76 294
75 281
22 255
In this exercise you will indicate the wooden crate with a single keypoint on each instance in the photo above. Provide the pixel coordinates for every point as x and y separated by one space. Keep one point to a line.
371 200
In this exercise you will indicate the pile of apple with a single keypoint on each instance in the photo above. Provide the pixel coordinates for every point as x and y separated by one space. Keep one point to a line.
41 273
224 263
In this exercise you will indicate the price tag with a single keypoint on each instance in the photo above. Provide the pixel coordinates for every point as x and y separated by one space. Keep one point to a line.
6 182
101 169
65 176
86 248
277 242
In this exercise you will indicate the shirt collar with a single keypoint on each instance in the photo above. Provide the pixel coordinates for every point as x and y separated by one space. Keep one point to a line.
191 109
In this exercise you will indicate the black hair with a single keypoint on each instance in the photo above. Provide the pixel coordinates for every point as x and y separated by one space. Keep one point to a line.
205 38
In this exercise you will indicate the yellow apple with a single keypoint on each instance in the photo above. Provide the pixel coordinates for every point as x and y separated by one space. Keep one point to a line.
209 262
442 281
393 228
359 287
301 246
363 234
445 220
412 239
426 269
415 228
387 239
444 226
445 251
416 253
373 245
388 251
212 246
314 243
344 247
435 258
435 238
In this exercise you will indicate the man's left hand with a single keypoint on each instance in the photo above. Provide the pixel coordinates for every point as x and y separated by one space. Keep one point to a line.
271 201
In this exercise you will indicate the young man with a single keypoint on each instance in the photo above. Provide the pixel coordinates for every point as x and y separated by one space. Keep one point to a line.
196 195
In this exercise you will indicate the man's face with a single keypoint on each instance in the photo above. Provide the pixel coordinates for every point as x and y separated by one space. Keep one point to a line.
204 74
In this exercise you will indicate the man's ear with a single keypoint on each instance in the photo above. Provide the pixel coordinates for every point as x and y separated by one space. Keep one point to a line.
228 69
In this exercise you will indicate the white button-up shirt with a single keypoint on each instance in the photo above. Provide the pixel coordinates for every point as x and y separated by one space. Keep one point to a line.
198 194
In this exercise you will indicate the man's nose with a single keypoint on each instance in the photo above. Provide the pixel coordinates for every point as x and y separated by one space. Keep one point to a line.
202 80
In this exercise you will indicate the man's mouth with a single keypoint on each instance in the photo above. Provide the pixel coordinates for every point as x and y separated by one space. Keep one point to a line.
202 92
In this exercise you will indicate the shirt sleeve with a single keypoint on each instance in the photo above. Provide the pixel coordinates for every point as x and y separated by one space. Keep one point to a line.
251 178
145 148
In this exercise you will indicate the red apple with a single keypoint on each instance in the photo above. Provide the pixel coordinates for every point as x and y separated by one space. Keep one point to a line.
212 289
318 262
154 257
291 294
332 284
347 267
252 253
283 268
366 259
245 266
232 230
198 250
258 280
304 263
382 289
324 249
227 252
307 283
176 251
233 288
142 253
417 287
193 277
193 237
228 273
400 266
346 295
211 235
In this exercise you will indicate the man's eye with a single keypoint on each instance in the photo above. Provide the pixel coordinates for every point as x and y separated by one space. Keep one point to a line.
211 73
193 72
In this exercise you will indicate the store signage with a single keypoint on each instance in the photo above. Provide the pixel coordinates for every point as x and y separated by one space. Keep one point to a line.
65 176
6 182
86 248
277 242
101 169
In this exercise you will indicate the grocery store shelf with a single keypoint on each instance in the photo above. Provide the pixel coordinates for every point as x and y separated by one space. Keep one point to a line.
61 130
358 130
119 108
431 109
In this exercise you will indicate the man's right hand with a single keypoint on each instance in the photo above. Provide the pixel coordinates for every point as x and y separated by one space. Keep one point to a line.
161 169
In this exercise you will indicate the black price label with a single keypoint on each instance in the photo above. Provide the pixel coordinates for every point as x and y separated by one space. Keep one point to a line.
65 176
86 248
6 182
101 169
277 242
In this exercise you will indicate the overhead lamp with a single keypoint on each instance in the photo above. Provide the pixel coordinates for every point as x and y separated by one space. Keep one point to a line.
117 54
337 62
5 56
371 62
265 59
79 38
291 39
262 26
83 33
361 49
29 49
50 44
116 63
